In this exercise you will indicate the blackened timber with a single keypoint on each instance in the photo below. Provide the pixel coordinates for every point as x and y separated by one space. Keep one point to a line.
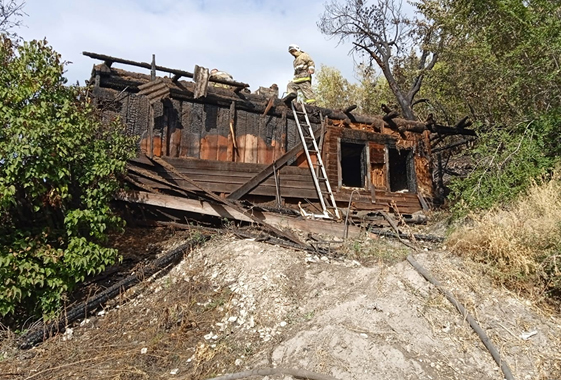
443 130
463 123
107 58
456 144
182 90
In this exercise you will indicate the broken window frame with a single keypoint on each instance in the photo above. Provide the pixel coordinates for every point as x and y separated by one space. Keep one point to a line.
409 175
366 167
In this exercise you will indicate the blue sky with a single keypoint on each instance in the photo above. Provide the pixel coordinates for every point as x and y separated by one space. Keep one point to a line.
247 38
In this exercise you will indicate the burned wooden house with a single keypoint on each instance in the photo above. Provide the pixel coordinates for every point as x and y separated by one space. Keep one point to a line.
200 135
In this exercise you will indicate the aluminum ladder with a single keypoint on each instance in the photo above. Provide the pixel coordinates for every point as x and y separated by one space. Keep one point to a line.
327 201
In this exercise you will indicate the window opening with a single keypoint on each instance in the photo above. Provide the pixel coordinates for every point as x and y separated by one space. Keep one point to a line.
399 169
352 164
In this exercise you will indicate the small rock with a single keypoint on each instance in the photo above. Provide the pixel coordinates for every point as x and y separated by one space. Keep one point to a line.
174 371
68 334
144 350
528 335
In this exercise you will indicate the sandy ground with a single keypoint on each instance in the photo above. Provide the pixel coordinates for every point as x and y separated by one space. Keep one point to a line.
241 304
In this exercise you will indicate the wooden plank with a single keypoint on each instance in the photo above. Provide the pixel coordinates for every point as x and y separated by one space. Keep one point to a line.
186 134
151 132
241 131
194 145
223 130
201 76
251 148
209 138
262 146
174 131
225 211
230 204
232 143
165 125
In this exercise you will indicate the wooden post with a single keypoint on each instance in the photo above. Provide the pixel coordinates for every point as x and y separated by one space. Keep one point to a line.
151 131
153 68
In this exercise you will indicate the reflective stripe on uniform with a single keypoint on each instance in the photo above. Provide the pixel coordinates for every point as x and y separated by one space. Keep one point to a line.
300 80
310 100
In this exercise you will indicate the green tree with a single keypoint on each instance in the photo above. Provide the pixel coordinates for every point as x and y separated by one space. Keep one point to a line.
332 89
336 92
59 168
501 58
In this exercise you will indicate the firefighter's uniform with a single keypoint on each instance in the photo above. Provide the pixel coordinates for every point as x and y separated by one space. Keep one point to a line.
304 67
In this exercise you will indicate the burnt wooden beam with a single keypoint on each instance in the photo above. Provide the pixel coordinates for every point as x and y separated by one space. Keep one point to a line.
450 146
201 81
443 130
266 173
159 68
349 109
122 80
464 123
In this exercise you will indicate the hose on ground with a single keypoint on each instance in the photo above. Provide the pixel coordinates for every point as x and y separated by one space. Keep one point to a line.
478 330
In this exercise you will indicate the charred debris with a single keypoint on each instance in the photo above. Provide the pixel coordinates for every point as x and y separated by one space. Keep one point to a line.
209 146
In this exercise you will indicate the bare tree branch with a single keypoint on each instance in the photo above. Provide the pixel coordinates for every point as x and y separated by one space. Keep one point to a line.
11 12
380 30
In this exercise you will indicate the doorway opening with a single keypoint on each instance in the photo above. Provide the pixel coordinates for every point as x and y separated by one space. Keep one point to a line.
352 164
400 170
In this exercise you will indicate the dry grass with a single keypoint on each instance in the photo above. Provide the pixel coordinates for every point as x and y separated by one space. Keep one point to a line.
158 327
521 242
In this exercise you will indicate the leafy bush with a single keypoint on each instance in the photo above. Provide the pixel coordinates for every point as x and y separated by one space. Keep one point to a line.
507 161
59 168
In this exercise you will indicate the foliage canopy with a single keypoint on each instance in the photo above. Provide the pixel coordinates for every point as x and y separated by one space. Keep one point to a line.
59 168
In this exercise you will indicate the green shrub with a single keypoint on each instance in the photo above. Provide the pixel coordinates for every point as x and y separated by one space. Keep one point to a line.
507 161
59 169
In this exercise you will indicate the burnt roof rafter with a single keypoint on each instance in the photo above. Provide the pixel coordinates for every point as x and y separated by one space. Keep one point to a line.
109 60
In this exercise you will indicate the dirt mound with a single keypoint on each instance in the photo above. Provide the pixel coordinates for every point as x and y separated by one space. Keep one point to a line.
234 305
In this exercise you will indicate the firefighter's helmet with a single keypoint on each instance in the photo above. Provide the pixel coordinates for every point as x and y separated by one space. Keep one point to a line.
293 47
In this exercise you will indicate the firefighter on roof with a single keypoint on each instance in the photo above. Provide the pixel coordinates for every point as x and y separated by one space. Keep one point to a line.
303 69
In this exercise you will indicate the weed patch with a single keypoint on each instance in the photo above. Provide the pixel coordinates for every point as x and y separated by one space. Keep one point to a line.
521 243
